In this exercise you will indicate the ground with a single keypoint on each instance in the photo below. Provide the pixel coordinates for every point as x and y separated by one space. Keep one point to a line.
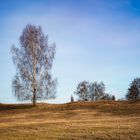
102 120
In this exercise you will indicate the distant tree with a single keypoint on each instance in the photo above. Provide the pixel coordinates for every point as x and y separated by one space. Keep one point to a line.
92 92
134 90
83 91
33 60
72 98
97 90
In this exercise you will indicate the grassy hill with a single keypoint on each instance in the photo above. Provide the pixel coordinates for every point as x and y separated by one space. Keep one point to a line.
78 121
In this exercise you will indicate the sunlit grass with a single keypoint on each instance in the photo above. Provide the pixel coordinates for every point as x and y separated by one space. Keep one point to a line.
88 120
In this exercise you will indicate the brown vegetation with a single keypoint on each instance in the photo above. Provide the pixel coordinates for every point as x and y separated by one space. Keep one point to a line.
77 120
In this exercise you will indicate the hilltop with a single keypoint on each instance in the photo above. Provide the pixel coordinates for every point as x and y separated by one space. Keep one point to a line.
77 120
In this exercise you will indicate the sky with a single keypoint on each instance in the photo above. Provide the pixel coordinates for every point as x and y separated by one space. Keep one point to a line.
96 40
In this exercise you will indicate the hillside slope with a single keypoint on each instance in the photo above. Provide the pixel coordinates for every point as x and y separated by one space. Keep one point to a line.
78 120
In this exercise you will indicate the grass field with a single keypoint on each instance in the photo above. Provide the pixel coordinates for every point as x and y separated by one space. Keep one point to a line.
116 120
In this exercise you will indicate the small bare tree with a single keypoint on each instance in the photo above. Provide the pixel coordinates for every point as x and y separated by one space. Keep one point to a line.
33 60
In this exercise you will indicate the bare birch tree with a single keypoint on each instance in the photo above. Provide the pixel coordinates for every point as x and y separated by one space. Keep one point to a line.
33 60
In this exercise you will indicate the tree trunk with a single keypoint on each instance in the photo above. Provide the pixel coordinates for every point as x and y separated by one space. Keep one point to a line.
34 97
34 75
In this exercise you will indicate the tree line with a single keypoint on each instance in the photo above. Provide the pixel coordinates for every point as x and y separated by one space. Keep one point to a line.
33 79
96 91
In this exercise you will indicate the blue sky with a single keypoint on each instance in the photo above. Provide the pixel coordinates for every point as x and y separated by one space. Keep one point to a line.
96 40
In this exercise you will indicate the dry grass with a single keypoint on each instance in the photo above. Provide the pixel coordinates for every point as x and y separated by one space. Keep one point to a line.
79 120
